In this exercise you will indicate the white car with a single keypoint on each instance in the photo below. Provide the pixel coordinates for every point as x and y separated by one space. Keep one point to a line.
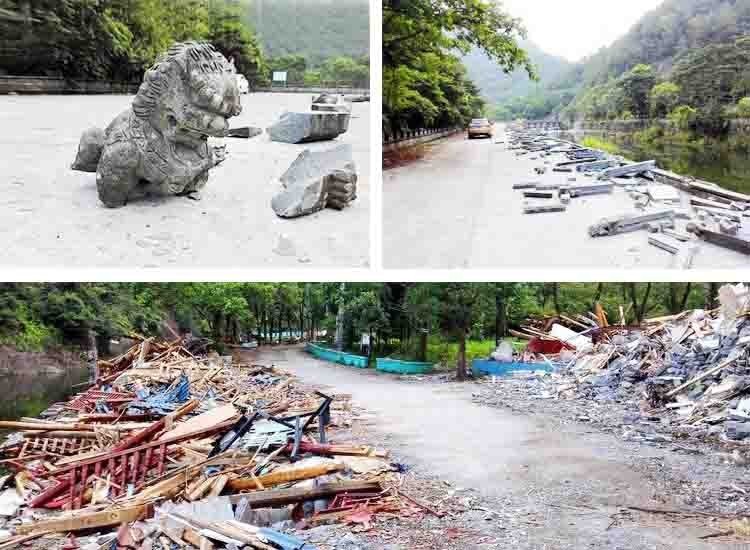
243 84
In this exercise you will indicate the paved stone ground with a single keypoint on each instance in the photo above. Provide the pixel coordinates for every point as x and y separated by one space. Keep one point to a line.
51 216
457 209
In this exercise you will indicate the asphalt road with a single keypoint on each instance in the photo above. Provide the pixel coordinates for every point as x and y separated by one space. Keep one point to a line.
51 216
574 481
456 209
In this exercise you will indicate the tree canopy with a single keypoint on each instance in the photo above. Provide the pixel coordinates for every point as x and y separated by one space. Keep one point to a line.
117 39
424 82
402 318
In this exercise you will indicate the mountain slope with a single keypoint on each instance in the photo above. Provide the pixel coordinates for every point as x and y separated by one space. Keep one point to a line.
497 86
668 31
316 29
698 47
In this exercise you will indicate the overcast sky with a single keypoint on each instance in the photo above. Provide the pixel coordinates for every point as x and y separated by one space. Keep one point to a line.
576 28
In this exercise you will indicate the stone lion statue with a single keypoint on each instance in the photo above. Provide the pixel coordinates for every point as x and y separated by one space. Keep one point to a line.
159 146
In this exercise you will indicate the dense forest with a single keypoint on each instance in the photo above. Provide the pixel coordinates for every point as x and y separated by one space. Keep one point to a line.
434 321
688 60
119 39
425 85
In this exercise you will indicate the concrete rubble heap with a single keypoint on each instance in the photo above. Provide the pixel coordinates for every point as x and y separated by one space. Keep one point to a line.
171 447
690 371
705 213
317 180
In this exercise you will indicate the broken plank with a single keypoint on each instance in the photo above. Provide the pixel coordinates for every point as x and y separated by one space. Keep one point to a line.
284 476
86 520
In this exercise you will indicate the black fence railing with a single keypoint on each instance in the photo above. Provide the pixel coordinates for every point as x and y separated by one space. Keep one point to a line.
398 136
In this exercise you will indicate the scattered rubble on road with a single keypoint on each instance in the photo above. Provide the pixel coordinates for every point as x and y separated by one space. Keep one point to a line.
681 381
707 212
173 448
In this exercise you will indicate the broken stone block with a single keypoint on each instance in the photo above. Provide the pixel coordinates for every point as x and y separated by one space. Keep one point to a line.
738 430
305 127
317 180
331 102
728 227
246 132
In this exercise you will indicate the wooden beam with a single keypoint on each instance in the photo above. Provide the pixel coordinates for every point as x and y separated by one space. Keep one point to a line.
280 497
86 520
284 476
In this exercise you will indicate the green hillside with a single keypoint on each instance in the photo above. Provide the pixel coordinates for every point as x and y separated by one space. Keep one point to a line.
316 29
497 86
687 58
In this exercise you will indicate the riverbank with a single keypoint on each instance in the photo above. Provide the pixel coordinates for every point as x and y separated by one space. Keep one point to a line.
723 162
30 381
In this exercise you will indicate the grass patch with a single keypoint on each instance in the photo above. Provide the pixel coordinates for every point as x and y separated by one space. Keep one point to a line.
593 142
445 354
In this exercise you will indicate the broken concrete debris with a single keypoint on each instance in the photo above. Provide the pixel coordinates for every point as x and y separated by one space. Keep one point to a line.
332 103
171 446
317 180
690 372
309 126
712 214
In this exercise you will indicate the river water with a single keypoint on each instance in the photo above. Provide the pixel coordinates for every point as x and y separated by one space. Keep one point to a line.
716 162
29 388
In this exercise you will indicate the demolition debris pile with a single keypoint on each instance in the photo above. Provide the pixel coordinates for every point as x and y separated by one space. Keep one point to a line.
690 371
171 447
678 212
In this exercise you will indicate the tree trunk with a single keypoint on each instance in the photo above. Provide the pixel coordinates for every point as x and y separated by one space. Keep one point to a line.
422 354
597 296
461 360
92 355
711 289
556 297
371 349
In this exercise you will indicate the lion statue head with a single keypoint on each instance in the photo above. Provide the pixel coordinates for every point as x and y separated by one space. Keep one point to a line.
189 94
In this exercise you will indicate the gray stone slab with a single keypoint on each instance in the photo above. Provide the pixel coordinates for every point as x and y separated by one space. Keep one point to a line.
309 126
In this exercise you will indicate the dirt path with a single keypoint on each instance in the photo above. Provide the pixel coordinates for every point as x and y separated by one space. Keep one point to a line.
549 488
459 205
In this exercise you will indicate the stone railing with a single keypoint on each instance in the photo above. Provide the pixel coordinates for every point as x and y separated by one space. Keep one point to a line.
346 90
58 85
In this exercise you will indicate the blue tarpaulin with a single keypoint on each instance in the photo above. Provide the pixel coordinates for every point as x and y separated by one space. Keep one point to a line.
166 400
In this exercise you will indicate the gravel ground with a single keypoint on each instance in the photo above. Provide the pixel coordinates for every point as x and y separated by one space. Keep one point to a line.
459 205
53 218
515 478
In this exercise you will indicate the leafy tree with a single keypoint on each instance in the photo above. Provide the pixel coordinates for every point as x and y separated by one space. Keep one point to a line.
637 85
233 38
743 107
664 98
424 83
294 65
683 116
